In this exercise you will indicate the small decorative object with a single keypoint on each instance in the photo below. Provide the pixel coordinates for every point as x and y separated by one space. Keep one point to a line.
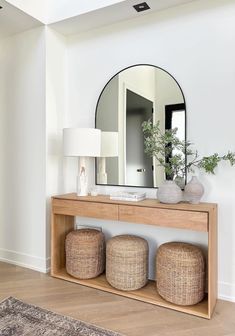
94 191
177 156
128 196
85 253
180 273
194 191
169 192
83 143
127 262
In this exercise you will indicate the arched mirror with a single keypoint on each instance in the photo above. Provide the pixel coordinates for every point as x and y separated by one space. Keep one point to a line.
135 94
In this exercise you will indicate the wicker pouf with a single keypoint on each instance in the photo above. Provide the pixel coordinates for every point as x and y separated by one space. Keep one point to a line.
85 253
127 262
180 273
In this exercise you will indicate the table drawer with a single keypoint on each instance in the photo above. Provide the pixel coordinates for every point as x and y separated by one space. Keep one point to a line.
85 209
191 220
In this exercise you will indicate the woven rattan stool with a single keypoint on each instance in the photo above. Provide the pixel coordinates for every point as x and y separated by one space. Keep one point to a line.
180 273
127 262
85 253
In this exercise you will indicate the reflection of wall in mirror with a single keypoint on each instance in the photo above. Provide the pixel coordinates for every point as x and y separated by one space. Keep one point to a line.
167 93
108 122
140 80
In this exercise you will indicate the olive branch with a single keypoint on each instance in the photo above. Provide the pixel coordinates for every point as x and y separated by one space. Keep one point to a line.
177 156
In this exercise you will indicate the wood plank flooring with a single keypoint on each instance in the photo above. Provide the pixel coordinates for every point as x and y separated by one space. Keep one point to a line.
129 317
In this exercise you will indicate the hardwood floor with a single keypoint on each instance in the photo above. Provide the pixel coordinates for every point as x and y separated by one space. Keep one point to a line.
129 317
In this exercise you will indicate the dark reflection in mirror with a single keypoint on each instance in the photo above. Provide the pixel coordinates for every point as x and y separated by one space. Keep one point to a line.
134 95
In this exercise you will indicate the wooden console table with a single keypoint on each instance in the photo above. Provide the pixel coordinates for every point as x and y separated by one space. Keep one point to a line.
201 217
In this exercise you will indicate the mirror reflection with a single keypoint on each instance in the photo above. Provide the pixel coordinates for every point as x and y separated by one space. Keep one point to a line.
135 95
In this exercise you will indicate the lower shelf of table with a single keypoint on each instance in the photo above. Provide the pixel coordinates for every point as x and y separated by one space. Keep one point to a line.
146 294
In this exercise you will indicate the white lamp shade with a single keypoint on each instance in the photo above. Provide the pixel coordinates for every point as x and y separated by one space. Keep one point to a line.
109 144
81 142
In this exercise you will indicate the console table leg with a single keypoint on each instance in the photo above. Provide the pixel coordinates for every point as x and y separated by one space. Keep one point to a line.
212 261
61 225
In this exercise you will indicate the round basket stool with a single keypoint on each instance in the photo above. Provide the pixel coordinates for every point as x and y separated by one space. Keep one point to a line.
85 253
127 262
180 273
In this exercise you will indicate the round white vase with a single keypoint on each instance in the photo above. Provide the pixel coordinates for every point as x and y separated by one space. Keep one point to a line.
194 191
169 192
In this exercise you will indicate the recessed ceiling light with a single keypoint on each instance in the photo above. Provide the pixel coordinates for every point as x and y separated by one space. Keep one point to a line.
143 6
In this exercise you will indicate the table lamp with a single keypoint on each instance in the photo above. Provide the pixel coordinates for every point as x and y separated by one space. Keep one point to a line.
82 143
109 148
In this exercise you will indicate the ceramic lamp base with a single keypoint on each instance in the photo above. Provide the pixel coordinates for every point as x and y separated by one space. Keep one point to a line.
102 177
82 179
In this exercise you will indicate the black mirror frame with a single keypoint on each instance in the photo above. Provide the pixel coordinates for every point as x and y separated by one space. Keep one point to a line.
128 67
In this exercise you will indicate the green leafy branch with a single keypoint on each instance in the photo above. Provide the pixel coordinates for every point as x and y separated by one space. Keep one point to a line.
173 154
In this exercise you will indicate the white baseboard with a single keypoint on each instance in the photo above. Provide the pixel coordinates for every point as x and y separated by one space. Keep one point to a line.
226 291
25 260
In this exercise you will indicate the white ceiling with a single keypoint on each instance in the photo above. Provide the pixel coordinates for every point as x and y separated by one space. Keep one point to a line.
35 8
58 10
13 20
49 11
123 10
80 16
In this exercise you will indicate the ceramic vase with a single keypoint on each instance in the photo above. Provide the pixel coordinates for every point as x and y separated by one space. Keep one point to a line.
194 190
169 192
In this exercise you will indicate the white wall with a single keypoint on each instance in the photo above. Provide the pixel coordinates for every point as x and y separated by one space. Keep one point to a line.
56 95
195 43
23 160
2 132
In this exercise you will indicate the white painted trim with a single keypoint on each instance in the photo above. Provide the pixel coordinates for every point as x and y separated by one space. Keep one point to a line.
25 260
226 291
121 127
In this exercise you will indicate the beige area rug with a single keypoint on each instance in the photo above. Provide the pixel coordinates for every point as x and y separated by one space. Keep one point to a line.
21 319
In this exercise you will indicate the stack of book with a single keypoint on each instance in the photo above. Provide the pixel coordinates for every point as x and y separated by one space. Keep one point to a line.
128 196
